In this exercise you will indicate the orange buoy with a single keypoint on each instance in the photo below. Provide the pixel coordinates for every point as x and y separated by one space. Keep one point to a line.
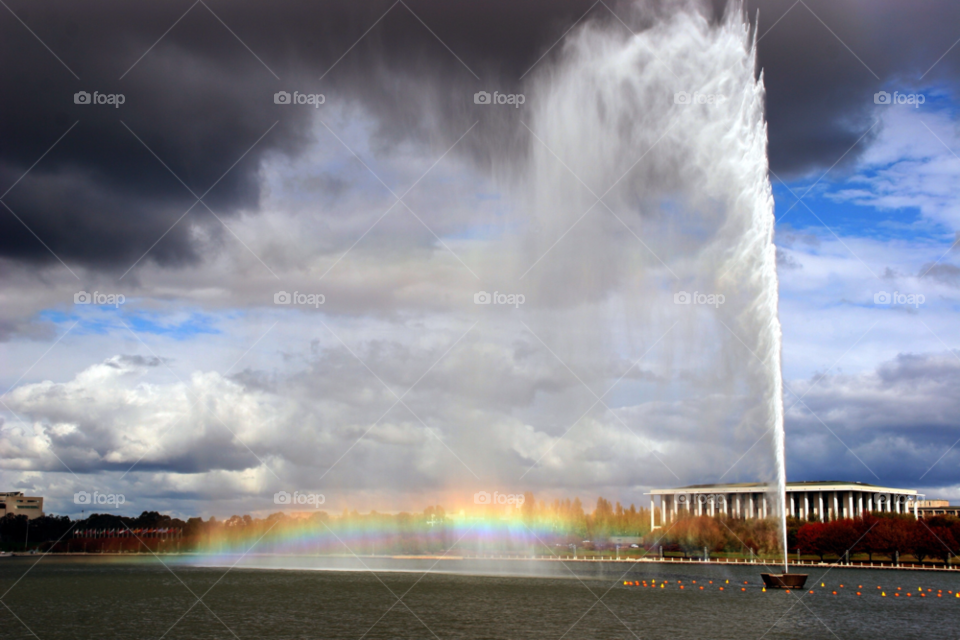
897 595
858 593
834 593
743 588
721 589
701 588
811 590
681 586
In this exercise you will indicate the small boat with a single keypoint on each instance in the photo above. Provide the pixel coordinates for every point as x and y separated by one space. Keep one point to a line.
784 580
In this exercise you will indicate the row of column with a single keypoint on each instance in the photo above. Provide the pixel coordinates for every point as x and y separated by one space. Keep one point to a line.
831 505
806 505
738 505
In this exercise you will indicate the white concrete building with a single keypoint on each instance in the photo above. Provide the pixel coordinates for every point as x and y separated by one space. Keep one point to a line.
18 504
823 501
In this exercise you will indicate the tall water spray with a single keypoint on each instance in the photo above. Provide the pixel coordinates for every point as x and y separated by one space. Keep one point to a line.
666 127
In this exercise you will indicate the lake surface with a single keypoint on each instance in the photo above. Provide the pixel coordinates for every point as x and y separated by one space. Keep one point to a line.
99 598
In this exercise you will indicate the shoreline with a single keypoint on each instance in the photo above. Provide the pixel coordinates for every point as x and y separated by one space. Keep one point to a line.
793 565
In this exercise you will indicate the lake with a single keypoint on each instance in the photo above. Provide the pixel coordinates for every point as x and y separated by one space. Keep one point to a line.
82 597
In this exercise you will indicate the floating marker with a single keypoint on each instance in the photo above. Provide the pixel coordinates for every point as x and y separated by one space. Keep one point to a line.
834 593
811 590
743 588
883 594
858 593
764 589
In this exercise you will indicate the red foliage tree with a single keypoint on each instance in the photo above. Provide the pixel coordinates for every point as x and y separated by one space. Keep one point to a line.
809 538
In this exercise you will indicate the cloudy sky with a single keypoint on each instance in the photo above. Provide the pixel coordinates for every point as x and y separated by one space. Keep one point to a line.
148 248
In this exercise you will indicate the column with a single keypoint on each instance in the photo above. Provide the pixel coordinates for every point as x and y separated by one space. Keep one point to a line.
850 512
750 507
653 510
916 511
820 506
835 505
870 502
860 503
726 502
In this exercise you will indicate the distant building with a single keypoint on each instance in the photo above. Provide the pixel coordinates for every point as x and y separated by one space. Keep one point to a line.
823 501
18 504
940 508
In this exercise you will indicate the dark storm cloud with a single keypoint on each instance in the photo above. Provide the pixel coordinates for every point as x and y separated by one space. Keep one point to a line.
895 426
823 60
200 99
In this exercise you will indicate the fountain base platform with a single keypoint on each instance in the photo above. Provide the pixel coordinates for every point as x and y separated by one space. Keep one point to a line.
784 580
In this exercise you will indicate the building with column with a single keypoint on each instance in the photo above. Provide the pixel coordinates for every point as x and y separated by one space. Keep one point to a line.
18 504
824 501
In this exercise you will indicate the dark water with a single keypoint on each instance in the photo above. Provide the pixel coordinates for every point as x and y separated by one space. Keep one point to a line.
81 598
